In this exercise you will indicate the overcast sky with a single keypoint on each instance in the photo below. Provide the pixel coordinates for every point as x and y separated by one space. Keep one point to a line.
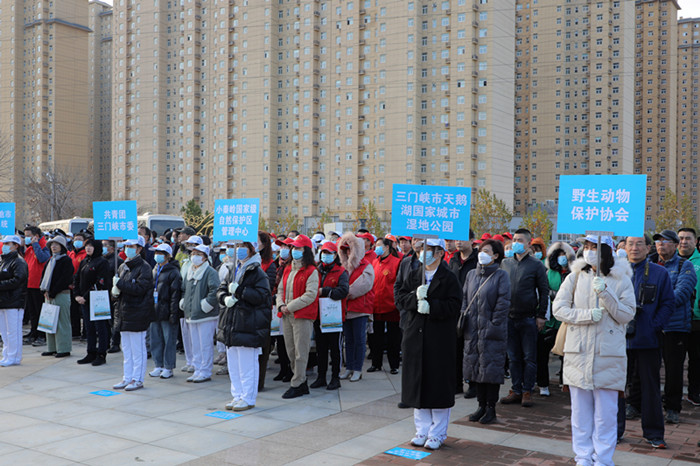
689 8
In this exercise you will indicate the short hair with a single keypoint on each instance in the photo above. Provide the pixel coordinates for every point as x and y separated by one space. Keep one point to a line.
362 230
471 234
689 230
647 239
146 230
35 230
523 231
293 231
321 233
496 246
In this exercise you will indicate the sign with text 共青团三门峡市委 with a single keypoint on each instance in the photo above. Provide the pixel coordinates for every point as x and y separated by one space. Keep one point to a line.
115 219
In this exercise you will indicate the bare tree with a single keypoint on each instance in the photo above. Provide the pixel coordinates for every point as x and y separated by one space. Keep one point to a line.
7 160
58 194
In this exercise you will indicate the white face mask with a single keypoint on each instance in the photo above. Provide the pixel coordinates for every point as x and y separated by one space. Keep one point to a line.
197 259
591 257
484 258
621 253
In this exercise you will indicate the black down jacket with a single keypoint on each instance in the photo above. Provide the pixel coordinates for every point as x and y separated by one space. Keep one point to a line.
247 323
168 284
94 273
133 310
14 274
486 333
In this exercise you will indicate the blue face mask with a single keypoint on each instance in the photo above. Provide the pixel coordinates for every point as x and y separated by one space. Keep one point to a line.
379 250
222 257
241 253
27 240
159 258
77 244
509 253
6 248
327 258
120 245
284 254
231 252
130 252
518 248
296 254
538 255
563 261
426 257
105 250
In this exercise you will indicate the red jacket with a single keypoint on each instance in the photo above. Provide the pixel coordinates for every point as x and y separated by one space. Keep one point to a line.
363 304
76 257
36 268
384 278
300 279
370 256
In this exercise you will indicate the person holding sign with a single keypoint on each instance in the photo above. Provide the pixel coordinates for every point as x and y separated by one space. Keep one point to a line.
14 275
94 273
596 301
430 298
334 286
297 300
244 324
55 284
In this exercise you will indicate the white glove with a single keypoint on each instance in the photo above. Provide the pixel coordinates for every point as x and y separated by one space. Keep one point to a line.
230 301
182 304
598 284
115 280
206 307
423 306
422 292
232 287
115 291
596 314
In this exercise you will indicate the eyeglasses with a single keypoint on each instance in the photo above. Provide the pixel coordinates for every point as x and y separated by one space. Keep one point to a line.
662 241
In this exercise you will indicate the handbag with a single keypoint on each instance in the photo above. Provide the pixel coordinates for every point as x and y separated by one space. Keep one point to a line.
462 321
558 347
48 319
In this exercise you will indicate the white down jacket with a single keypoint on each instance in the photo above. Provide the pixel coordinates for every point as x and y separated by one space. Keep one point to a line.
595 354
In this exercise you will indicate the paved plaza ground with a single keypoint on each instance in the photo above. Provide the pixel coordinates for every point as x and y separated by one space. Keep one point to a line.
48 416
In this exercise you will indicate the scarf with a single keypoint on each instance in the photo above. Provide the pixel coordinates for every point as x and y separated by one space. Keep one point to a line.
250 263
46 281
197 273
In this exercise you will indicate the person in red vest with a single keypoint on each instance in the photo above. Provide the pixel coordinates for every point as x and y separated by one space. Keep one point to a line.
335 285
368 239
36 256
386 316
77 255
297 301
360 303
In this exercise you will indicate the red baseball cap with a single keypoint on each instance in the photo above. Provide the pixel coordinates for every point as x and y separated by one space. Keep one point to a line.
485 236
329 246
391 237
508 235
302 241
284 242
407 238
499 238
367 236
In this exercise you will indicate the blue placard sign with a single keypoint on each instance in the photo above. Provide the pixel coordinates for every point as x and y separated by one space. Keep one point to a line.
430 210
7 218
223 415
408 453
105 393
236 219
613 203
115 219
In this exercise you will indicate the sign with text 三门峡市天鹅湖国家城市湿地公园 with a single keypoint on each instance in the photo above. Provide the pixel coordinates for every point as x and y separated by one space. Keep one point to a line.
609 203
236 219
115 219
440 211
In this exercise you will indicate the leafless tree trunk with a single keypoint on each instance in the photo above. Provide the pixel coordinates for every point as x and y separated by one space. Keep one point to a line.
7 159
57 194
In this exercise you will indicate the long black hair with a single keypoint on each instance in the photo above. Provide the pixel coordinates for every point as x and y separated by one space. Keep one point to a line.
607 261
308 258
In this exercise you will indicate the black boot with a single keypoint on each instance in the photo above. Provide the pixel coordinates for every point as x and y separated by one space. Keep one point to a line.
100 359
320 381
288 374
334 384
471 391
478 414
91 356
489 416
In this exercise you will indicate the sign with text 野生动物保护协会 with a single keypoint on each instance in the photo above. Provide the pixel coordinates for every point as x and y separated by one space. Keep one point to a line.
115 219
7 218
440 211
611 203
236 219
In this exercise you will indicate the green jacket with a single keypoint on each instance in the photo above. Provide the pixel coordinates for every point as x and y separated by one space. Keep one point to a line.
555 280
695 260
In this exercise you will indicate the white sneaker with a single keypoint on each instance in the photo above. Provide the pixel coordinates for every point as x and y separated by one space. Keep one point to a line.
356 376
432 443
166 374
121 385
134 385
156 372
345 375
242 406
233 402
192 377
189 369
419 440
544 391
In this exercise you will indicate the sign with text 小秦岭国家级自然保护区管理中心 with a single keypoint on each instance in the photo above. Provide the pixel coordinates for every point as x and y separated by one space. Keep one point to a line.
609 203
441 211
7 218
236 219
115 219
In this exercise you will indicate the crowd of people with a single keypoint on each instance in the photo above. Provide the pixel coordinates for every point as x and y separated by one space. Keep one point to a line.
446 313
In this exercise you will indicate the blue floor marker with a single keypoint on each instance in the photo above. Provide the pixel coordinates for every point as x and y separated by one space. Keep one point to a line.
223 415
105 393
407 453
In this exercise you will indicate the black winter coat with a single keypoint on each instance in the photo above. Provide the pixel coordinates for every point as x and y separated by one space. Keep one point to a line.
486 333
94 273
168 286
247 323
62 276
429 340
462 269
133 310
14 274
529 287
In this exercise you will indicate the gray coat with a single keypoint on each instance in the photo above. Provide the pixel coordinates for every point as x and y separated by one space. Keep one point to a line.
486 333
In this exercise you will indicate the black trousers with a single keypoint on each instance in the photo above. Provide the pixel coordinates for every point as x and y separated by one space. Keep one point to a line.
694 363
32 308
285 366
76 314
386 335
487 393
325 343
675 347
544 346
459 360
644 389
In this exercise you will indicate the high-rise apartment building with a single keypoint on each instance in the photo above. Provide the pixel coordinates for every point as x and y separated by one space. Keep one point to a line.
656 63
43 82
574 92
688 110
312 106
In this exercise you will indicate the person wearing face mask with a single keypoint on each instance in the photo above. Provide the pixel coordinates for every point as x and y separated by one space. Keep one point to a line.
269 266
621 252
36 255
132 288
167 290
387 333
284 261
486 300
538 247
182 251
351 251
198 301
55 284
430 297
244 325
687 250
94 274
108 252
188 245
508 249
77 254
14 275
559 256
528 310
596 304
227 260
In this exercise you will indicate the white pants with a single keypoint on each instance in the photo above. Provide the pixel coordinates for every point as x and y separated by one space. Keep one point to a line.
432 423
11 332
220 347
186 341
202 335
135 355
244 371
593 425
